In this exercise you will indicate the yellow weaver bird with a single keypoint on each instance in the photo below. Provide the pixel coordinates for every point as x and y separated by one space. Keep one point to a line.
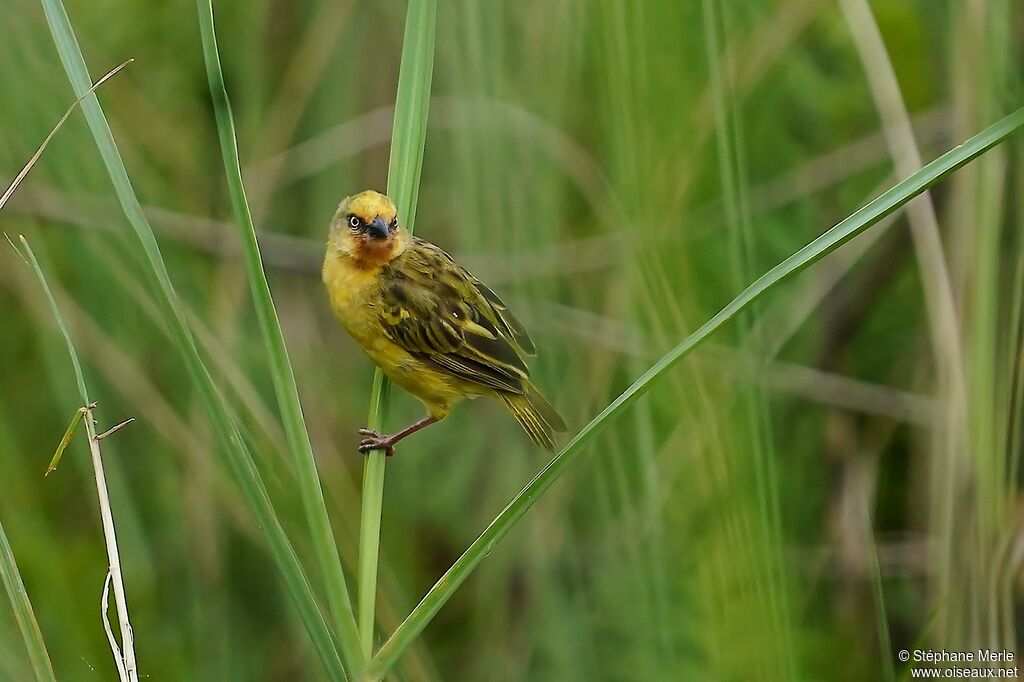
432 327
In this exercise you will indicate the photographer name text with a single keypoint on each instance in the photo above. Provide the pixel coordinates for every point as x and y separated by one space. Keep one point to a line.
977 656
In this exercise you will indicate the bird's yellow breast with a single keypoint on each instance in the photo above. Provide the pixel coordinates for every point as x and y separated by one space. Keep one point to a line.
355 296
355 299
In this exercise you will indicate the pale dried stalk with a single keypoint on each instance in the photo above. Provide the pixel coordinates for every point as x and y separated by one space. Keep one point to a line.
951 441
125 659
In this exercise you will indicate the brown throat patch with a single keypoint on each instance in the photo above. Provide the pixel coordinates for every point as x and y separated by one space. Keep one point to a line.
370 253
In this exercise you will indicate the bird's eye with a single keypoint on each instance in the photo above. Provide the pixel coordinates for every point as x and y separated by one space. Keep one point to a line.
394 223
354 222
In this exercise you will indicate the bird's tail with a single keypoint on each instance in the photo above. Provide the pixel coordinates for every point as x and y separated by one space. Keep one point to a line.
536 415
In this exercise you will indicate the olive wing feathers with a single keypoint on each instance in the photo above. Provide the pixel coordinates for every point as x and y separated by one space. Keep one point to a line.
439 312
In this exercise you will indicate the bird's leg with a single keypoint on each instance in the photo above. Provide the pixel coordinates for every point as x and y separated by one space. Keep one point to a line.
377 441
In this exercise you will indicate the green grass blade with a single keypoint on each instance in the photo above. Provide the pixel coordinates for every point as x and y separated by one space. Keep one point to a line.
405 163
23 614
239 458
878 596
369 517
324 545
83 392
412 104
65 441
855 224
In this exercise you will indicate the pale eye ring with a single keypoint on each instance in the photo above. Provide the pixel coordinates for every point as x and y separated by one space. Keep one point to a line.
394 223
354 222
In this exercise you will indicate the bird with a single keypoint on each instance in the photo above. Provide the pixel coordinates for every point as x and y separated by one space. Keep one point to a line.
433 328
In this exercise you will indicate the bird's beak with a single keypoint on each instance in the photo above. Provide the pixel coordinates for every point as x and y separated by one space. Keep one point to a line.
378 229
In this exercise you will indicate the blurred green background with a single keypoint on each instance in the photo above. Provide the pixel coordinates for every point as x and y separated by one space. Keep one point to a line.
813 488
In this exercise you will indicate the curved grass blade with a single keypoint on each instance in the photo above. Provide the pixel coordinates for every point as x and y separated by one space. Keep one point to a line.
39 152
232 444
324 546
858 222
23 614
404 166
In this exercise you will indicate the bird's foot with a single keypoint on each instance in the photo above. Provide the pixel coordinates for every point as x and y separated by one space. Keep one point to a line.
376 441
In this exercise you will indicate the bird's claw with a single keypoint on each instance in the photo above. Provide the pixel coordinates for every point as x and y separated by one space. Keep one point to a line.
375 441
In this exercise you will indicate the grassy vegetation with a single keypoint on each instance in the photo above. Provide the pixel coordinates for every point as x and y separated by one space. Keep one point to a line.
832 479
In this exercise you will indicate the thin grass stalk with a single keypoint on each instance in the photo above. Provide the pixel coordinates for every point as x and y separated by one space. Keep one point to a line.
885 204
23 613
949 442
1015 436
230 439
623 25
989 331
125 658
324 545
878 594
769 584
405 163
53 131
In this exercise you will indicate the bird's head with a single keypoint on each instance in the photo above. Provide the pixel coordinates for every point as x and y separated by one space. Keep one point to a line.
366 229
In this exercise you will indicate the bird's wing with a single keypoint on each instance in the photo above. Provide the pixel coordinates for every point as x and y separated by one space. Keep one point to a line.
505 319
436 310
